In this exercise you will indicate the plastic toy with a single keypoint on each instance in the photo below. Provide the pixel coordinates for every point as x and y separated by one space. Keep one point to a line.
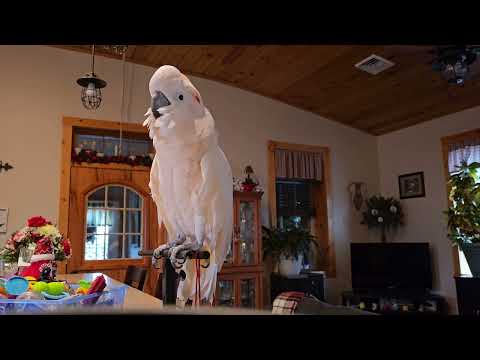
84 284
55 288
55 297
31 282
97 285
40 286
16 285
81 291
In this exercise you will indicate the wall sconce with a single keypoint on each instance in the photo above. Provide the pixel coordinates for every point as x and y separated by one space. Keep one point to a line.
357 191
5 166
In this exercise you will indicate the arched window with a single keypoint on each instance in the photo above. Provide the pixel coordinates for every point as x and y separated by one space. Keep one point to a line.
114 223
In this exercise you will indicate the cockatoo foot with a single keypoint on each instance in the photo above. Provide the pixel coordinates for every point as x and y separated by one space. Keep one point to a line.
184 248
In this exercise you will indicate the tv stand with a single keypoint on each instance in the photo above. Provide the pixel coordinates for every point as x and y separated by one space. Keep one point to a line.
395 301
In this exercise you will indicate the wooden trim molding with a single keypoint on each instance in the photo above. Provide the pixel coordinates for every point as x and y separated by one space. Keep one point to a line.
324 201
446 141
103 124
69 123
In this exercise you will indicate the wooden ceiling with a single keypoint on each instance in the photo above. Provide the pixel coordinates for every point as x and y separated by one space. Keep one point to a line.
322 79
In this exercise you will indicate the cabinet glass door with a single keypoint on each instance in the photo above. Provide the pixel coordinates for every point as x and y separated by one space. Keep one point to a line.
247 232
247 293
226 293
229 258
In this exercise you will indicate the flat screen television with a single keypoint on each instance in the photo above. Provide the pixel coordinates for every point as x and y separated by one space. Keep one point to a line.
380 266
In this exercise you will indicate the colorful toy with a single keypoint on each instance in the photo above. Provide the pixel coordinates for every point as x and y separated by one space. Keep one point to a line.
31 281
97 285
55 288
40 286
84 284
81 291
55 297
2 286
16 285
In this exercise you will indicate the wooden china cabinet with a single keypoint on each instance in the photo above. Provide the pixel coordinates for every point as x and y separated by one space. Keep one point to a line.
240 281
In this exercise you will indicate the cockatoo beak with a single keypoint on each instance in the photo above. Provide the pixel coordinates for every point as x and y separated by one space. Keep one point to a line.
159 101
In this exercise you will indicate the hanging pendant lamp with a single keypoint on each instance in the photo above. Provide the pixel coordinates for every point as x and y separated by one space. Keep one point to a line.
91 84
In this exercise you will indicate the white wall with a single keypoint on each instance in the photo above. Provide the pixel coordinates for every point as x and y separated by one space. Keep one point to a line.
39 88
418 148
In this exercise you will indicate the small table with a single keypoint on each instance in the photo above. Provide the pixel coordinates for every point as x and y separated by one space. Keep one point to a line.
135 300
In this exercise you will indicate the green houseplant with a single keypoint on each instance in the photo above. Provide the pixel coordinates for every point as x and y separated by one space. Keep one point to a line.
463 214
289 247
383 213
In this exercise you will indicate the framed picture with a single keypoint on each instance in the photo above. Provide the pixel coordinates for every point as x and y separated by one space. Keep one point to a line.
411 185
3 220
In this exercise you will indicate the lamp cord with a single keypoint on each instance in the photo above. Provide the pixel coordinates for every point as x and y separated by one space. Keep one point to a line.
122 110
93 59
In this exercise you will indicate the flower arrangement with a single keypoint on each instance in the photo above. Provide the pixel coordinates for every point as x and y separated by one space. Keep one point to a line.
41 237
384 213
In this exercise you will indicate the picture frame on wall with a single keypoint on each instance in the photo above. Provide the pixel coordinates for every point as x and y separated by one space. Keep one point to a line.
3 220
411 185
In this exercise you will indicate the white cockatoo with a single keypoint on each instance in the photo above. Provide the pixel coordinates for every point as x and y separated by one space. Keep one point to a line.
190 180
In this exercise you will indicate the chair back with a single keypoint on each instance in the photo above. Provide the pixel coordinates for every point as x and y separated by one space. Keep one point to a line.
135 277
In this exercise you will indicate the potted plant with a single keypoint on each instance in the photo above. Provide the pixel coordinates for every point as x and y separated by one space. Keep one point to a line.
383 213
289 247
463 214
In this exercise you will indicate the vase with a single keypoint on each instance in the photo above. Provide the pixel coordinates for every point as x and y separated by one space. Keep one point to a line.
472 255
290 267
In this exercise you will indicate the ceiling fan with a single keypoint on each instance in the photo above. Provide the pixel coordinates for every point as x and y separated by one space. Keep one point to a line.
456 63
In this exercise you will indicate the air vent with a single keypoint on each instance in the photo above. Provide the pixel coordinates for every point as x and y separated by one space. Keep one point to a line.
374 64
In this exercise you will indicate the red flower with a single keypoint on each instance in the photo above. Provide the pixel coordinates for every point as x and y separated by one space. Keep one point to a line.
36 221
67 247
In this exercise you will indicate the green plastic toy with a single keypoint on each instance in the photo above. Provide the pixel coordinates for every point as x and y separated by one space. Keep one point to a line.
40 286
55 288
84 284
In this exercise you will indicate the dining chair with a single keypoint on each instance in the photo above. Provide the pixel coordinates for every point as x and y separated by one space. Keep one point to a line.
135 277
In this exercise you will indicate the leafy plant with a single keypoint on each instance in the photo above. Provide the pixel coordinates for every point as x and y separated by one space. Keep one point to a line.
463 214
384 213
290 242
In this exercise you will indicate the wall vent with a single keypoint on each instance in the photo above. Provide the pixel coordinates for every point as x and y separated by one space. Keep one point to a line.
374 64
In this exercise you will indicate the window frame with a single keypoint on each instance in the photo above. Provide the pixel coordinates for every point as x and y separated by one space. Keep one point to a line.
124 210
323 202
445 142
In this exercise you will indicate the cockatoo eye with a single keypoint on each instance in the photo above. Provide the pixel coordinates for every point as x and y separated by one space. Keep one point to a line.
180 97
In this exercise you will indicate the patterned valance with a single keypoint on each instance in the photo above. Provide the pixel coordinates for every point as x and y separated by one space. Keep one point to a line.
465 150
298 164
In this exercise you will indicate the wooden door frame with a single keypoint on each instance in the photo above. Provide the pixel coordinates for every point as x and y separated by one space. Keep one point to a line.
322 217
68 125
446 141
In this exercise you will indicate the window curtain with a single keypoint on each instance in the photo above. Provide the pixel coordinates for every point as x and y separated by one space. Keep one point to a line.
298 164
465 150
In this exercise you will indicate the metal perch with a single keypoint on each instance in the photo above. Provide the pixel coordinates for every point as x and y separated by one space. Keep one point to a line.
170 276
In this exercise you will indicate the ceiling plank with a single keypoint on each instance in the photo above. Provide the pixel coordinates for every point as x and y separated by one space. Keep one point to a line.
321 79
